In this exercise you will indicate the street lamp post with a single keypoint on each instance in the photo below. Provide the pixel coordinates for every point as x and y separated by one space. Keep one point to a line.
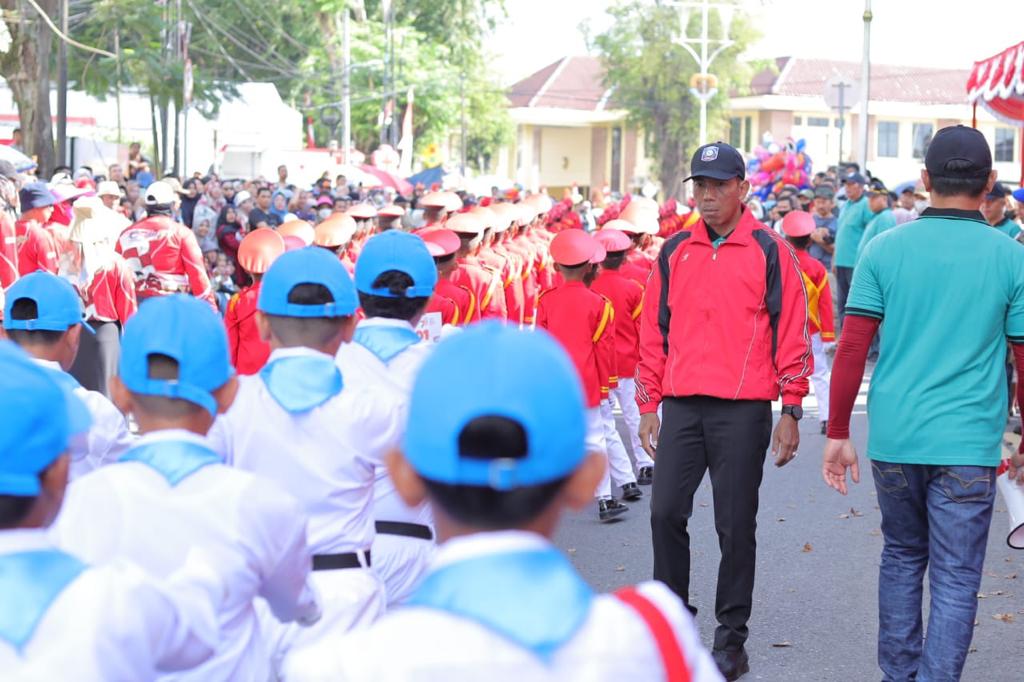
704 85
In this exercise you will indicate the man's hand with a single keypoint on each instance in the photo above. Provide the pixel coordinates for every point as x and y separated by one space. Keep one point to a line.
786 440
840 455
650 425
1016 472
818 236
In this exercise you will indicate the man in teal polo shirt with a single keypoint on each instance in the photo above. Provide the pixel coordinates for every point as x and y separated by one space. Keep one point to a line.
994 210
882 217
948 292
853 219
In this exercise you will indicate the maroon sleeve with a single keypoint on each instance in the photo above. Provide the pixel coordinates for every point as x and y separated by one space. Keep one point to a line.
848 372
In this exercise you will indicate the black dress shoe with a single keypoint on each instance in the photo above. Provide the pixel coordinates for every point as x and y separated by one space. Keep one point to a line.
645 476
732 664
631 491
610 508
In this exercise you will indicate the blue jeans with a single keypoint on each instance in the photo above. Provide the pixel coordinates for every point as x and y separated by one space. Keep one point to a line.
934 517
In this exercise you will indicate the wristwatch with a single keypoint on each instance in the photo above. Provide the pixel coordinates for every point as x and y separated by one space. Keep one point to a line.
794 411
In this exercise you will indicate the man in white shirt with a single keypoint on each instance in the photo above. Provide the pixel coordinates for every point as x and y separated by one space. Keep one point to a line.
60 618
43 314
500 455
321 436
171 492
395 277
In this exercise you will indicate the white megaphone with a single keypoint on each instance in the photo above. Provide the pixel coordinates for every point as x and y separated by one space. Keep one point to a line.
1013 495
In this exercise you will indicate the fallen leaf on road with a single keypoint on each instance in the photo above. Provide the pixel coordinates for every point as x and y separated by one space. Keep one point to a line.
808 547
782 645
876 532
781 519
855 513
972 650
843 516
1005 617
1012 576
982 595
571 550
703 504
620 568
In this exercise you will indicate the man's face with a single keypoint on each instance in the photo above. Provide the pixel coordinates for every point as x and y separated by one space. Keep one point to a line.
109 200
877 202
134 148
907 200
132 191
263 199
994 209
719 201
282 173
823 206
854 190
116 173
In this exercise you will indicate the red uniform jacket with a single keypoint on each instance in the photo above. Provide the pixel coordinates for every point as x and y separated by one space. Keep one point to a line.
8 251
486 286
39 251
637 267
166 259
463 308
110 296
248 352
819 297
728 323
627 300
583 322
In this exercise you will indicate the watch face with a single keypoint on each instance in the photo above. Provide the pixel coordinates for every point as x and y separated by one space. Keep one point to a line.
796 412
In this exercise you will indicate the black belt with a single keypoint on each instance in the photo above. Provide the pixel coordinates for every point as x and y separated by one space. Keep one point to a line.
406 530
331 562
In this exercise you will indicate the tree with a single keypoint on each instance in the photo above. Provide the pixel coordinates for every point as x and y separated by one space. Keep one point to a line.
649 71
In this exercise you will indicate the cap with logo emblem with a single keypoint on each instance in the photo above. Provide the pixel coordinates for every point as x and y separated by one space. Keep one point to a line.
718 161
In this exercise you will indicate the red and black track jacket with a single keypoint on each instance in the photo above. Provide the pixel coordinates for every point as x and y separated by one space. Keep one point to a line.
728 323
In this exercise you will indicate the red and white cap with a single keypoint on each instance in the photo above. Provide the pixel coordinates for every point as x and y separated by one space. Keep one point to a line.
440 242
798 224
362 211
391 211
448 201
573 247
259 249
600 253
337 230
613 240
298 228
643 217
465 223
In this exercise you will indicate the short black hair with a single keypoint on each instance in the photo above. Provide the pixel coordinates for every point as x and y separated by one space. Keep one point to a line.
444 260
14 509
398 306
27 309
800 242
261 191
312 332
160 366
490 438
962 180
614 260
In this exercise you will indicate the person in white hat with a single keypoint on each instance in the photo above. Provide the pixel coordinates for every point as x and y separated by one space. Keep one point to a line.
109 193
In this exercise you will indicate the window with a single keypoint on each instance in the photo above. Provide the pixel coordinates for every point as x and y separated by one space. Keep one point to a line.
922 138
817 121
747 134
888 139
616 183
735 131
1004 144
798 120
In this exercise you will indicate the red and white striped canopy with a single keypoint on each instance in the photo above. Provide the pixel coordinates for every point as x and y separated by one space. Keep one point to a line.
997 83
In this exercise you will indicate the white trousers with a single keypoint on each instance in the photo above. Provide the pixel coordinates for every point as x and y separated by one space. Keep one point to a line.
821 377
600 439
625 395
401 563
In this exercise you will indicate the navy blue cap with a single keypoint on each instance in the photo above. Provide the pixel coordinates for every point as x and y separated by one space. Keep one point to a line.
717 160
535 385
958 143
36 195
855 177
999 191
58 305
187 330
40 417
401 251
311 265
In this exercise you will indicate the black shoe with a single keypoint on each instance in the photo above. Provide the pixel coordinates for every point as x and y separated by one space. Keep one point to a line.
610 508
645 476
732 664
824 428
631 492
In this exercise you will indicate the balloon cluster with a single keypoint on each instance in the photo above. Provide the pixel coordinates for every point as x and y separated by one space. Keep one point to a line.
773 167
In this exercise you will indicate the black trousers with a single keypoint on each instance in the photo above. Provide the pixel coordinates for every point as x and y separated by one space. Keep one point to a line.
98 356
727 438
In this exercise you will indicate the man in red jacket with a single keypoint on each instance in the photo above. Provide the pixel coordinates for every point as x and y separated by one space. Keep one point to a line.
723 331
164 254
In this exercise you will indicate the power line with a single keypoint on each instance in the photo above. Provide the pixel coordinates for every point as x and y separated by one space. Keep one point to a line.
70 41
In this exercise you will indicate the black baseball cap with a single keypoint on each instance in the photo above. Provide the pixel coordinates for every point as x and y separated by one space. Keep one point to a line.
999 191
824 191
719 161
877 187
855 177
958 143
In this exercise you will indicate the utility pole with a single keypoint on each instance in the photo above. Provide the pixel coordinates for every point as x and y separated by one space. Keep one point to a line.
117 92
704 85
865 78
346 91
841 86
62 88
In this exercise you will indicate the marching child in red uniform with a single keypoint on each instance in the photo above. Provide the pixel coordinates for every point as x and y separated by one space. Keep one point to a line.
456 303
257 251
582 321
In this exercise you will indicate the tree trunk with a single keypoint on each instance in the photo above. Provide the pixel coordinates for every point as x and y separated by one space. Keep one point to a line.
156 137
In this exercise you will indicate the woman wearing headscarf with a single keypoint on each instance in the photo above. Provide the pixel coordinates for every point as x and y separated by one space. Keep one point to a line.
230 231
279 204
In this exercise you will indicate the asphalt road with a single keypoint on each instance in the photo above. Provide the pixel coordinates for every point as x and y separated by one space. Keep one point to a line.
815 599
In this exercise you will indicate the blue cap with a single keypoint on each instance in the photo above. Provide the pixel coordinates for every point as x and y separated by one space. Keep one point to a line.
855 177
36 195
1018 194
40 417
187 330
58 305
311 265
535 385
401 251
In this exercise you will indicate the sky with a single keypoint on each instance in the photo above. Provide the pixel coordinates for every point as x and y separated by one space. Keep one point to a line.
936 33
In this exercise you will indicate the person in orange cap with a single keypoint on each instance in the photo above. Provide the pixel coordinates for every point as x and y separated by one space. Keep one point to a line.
798 226
335 234
471 271
504 259
299 229
627 300
582 321
636 266
389 217
437 206
258 250
455 302
365 216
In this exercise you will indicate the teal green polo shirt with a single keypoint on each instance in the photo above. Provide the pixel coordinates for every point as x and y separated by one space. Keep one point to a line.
853 218
882 221
949 291
1009 228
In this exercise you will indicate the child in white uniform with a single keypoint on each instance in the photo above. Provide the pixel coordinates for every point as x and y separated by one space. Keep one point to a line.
500 455
44 315
395 277
171 491
304 424
61 619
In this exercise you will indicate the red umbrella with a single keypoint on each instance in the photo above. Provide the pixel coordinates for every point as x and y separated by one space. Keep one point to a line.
389 180
997 83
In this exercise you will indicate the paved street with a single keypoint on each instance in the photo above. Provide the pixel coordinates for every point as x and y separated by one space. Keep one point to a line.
815 610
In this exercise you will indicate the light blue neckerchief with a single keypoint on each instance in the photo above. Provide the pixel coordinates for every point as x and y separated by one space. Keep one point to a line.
63 378
534 598
30 582
385 342
301 382
175 460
